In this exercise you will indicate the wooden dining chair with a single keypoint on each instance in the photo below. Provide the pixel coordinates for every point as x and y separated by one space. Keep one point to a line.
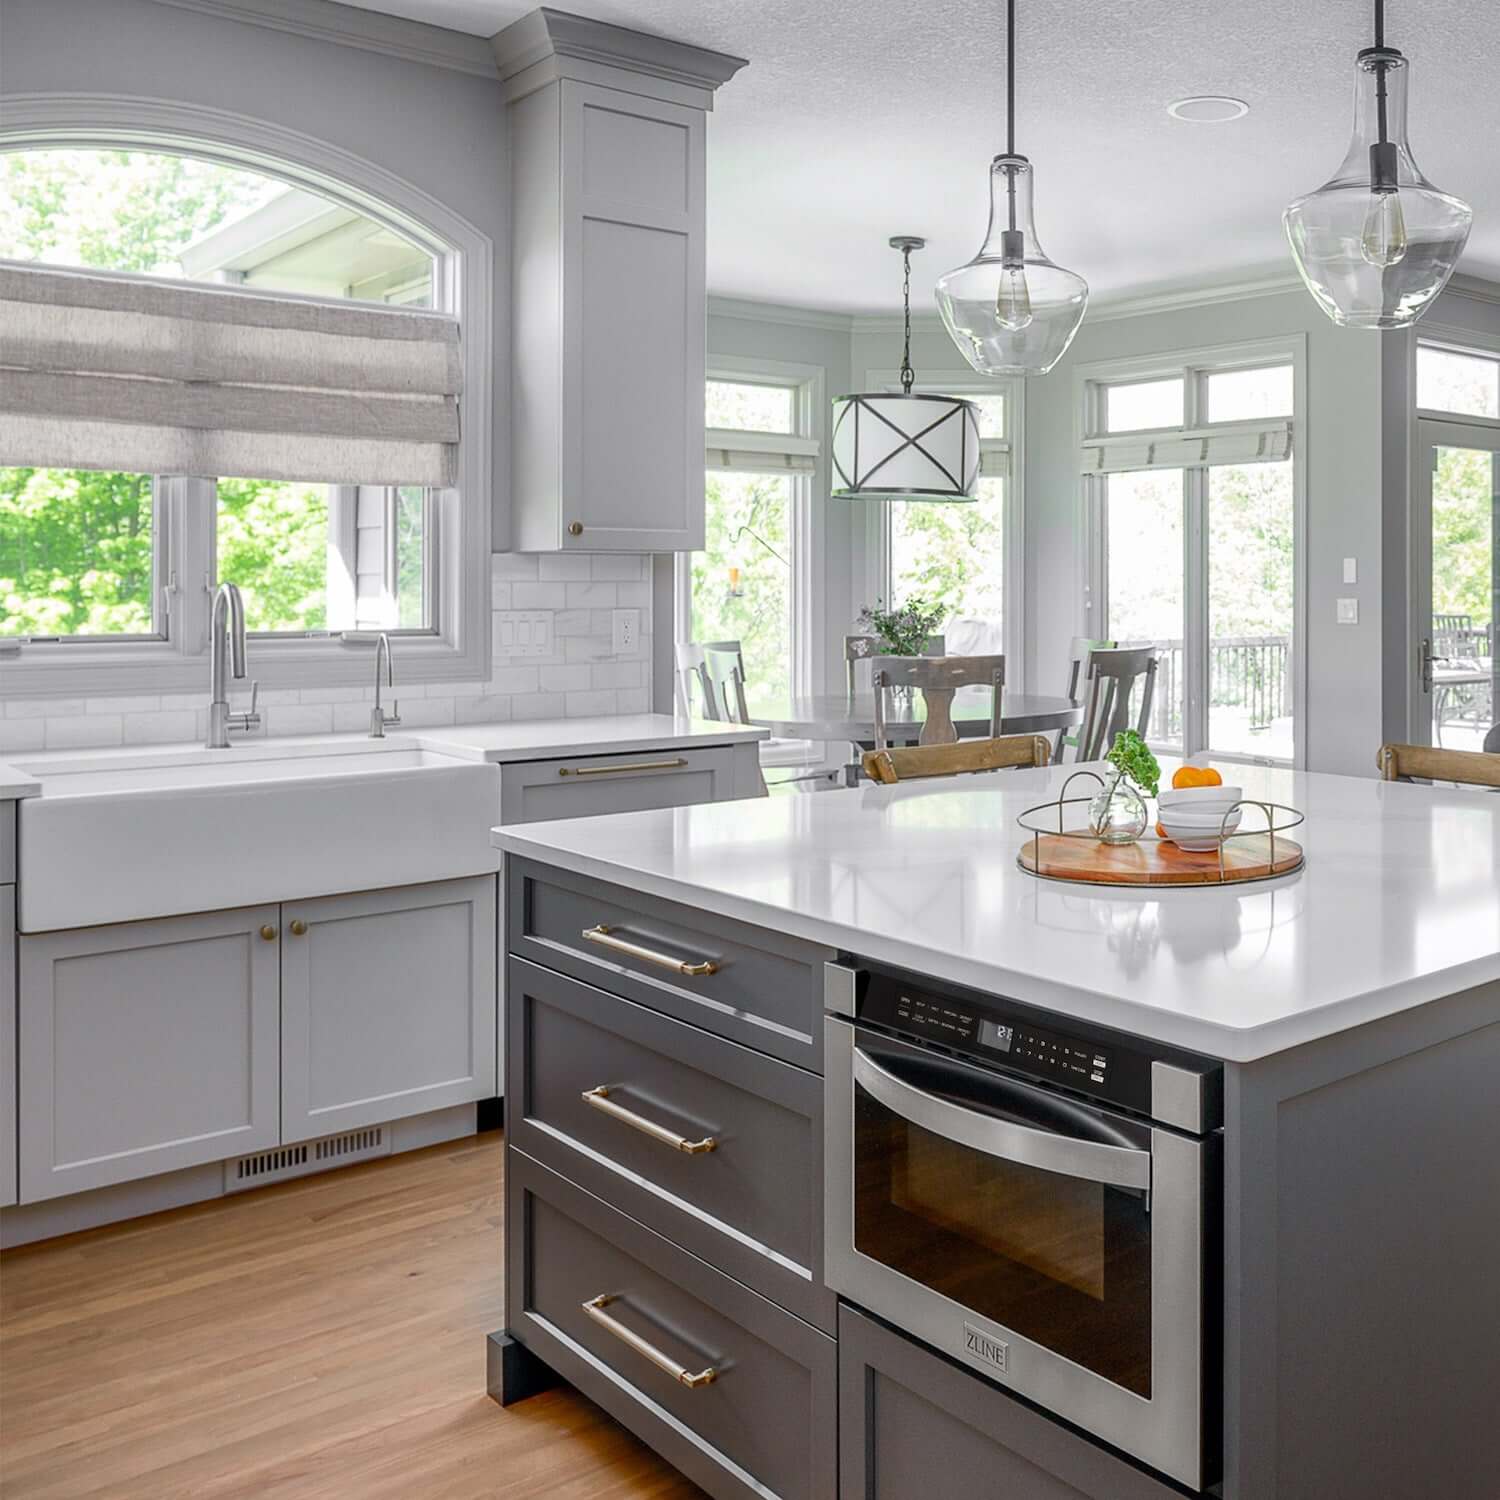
1079 655
858 648
715 670
1111 680
1425 763
938 678
914 762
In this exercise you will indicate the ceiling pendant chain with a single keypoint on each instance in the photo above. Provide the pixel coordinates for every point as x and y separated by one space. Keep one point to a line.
907 374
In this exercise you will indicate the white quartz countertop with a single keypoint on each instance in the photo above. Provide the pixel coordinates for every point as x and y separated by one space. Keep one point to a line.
546 739
15 784
1398 902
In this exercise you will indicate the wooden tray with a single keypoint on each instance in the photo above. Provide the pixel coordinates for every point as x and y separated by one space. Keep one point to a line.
1154 861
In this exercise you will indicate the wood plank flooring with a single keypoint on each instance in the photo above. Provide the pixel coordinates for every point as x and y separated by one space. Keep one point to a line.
318 1340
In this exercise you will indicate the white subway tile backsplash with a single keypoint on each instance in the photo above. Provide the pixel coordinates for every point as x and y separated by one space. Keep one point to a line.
84 731
591 595
541 595
551 632
589 705
298 718
22 734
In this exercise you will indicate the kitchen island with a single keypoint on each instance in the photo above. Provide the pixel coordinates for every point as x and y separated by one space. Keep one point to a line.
1350 1013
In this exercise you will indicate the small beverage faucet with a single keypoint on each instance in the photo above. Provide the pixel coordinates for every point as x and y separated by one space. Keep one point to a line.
380 721
226 650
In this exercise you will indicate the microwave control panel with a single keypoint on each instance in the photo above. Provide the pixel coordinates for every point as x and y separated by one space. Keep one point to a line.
990 1034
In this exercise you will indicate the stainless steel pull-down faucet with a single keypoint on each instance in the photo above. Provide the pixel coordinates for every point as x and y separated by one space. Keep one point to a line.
226 651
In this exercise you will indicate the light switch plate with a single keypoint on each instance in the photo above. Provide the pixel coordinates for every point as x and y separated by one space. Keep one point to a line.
1351 570
1348 611
523 632
626 632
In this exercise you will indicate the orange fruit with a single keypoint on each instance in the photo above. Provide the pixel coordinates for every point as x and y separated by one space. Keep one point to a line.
1185 776
1162 833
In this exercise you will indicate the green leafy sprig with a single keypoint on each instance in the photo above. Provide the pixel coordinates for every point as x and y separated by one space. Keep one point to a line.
1132 757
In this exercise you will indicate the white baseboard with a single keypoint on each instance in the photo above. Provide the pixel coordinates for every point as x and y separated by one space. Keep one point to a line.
29 1222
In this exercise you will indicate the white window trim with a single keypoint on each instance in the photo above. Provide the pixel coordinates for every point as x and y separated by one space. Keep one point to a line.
808 520
1455 340
463 284
877 549
1092 567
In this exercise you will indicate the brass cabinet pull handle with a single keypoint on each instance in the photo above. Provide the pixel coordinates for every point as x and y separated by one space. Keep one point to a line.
595 1306
599 1099
268 933
639 765
605 938
298 927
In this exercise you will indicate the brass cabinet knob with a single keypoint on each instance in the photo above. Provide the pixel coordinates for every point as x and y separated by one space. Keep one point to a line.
268 933
575 528
298 927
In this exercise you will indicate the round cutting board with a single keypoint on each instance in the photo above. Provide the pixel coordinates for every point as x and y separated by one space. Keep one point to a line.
1157 861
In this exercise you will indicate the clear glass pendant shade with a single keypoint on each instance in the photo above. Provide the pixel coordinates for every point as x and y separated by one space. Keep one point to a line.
1011 311
1377 242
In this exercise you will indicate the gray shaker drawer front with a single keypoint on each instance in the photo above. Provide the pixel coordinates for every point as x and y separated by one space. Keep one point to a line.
912 1424
536 789
716 1147
7 842
738 1394
742 982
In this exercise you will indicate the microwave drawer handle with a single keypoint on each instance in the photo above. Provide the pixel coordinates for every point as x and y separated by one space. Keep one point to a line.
605 938
595 1306
633 768
598 1098
1117 1166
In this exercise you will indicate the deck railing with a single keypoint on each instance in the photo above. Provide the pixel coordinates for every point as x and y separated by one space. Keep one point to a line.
1250 672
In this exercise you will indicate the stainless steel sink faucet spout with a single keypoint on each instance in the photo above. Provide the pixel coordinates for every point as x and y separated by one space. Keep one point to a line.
226 650
380 721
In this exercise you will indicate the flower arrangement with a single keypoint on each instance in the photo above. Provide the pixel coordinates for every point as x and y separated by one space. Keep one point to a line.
903 629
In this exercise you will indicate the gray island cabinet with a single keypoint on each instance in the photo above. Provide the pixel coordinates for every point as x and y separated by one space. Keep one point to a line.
665 1141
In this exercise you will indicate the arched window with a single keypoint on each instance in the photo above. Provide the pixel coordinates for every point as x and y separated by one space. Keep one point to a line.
109 566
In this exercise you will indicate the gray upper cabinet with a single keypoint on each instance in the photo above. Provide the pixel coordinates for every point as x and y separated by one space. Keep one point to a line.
7 1045
387 1005
146 1047
608 261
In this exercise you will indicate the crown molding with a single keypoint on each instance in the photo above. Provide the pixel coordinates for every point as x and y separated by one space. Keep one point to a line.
346 26
1475 288
773 312
549 44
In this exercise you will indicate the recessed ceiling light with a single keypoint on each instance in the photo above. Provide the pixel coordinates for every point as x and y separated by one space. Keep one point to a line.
1208 109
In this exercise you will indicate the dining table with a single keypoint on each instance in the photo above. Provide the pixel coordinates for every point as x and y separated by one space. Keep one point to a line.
851 717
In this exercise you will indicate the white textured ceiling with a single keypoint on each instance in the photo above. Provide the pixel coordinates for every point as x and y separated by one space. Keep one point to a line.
858 119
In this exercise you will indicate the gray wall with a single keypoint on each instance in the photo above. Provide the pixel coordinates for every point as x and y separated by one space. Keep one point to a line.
440 129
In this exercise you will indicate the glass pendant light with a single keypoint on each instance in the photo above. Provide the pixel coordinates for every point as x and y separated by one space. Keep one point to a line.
1377 242
1011 311
908 446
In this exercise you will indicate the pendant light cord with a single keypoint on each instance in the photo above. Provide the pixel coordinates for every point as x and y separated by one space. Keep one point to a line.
1380 72
907 374
1380 24
1010 106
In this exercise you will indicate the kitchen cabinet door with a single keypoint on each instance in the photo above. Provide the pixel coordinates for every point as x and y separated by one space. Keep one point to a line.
387 1005
145 1047
7 1045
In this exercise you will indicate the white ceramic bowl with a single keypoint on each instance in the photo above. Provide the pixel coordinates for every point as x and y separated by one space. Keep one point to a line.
1198 827
1199 798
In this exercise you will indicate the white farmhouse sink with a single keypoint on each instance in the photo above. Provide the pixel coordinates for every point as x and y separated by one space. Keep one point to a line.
119 835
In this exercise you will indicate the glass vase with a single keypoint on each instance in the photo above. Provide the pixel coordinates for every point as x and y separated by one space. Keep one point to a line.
1118 814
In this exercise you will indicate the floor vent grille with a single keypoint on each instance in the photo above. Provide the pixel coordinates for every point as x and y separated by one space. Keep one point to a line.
283 1162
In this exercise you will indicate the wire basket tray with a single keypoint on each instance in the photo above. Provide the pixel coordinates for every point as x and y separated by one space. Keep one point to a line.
1078 856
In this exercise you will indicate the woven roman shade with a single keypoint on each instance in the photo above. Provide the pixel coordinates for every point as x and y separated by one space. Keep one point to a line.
154 377
1258 442
760 452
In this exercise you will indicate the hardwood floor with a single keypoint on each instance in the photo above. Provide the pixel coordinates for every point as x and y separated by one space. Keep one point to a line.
319 1339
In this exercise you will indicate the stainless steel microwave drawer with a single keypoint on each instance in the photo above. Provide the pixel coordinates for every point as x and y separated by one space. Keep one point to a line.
912 1423
715 1146
585 786
736 1393
761 988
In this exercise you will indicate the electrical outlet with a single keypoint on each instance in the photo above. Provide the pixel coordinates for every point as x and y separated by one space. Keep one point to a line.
626 633
1348 611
